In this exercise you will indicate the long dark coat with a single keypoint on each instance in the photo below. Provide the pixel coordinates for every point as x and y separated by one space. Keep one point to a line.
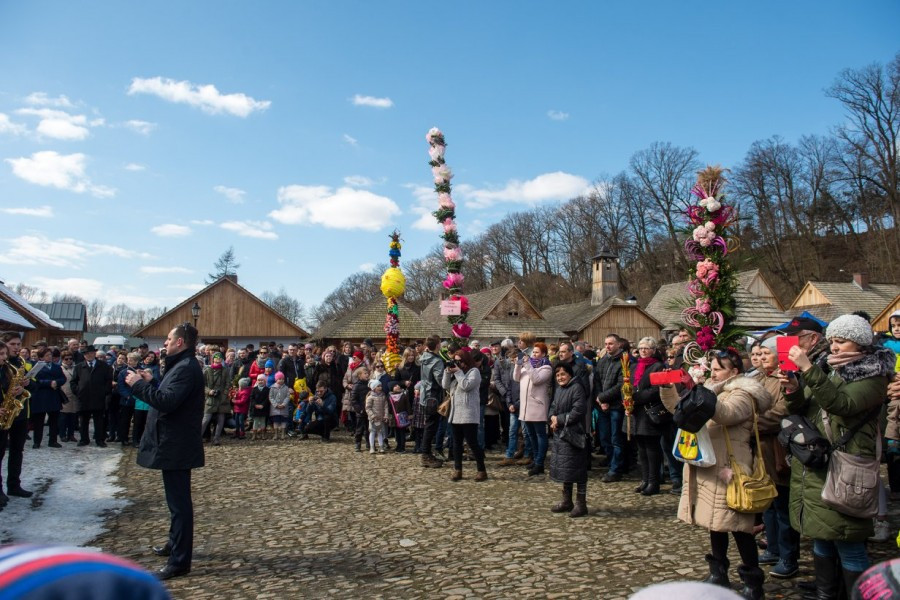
172 439
568 463
92 386
43 397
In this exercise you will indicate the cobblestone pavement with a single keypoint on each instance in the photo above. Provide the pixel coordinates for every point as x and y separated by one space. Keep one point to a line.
306 519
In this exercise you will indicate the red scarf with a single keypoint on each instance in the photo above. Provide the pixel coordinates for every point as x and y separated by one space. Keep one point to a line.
642 365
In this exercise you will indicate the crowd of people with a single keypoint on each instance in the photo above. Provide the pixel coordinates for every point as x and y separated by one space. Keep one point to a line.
567 408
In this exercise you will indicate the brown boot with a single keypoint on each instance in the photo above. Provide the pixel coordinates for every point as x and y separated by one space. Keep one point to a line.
481 476
455 475
507 462
564 505
430 462
580 508
525 462
520 448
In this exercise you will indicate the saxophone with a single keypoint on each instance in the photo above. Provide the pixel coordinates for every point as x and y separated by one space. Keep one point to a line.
11 404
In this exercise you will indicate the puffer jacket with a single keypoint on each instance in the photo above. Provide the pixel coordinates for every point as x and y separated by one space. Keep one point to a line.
534 391
377 408
568 463
770 425
703 494
850 393
608 380
216 391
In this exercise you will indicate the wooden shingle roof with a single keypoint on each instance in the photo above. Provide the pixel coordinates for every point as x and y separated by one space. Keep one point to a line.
848 297
752 312
578 315
368 322
481 304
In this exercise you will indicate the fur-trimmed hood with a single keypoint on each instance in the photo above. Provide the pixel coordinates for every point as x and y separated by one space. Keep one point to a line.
878 364
752 386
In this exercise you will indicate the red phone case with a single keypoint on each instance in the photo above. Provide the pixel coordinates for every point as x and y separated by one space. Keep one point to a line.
665 377
783 344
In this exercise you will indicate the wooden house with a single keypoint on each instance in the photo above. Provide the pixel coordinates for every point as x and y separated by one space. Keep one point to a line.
38 324
230 316
882 321
71 315
828 300
367 322
496 314
605 311
754 312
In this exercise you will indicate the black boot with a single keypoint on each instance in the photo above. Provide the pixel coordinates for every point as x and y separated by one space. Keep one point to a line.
850 578
827 579
580 509
753 578
652 487
645 477
718 571
564 505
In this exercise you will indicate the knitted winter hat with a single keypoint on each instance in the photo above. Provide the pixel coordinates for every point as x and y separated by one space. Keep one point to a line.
279 375
850 327
270 364
359 355
374 384
771 343
218 355
244 382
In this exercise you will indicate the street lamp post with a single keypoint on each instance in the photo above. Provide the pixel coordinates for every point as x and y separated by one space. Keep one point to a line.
195 311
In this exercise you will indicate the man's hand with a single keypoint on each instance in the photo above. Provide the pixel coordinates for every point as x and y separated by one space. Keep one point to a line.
798 357
53 385
553 423
512 408
604 406
790 384
134 376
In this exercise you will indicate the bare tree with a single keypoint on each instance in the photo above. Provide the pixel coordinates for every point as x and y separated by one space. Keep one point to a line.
31 294
285 305
95 312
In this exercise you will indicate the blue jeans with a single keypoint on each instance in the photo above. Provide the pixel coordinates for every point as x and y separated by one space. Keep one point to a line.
784 542
676 468
513 444
240 421
612 439
537 434
852 554
443 431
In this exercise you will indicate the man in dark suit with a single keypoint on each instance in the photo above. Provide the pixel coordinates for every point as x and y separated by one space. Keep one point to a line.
172 440
92 383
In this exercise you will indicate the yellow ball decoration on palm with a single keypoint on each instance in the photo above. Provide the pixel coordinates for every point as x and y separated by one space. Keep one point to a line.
393 283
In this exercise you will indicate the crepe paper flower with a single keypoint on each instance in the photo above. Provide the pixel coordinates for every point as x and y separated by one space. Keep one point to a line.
462 330
433 134
453 280
463 302
710 204
453 253
436 152
703 305
704 236
449 225
698 373
446 201
705 338
707 271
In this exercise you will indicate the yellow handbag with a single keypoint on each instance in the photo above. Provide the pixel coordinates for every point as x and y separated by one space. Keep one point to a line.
749 493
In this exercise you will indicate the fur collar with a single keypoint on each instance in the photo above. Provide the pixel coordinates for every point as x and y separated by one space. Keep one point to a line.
754 389
878 364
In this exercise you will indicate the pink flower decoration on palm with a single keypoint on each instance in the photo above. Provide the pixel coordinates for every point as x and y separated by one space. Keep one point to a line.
449 225
453 253
453 280
432 133
705 338
463 303
436 152
703 305
446 201
462 330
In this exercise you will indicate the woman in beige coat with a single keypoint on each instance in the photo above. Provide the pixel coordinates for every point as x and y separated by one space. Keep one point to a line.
703 495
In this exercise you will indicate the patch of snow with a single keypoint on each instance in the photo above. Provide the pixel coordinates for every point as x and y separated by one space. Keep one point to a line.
75 489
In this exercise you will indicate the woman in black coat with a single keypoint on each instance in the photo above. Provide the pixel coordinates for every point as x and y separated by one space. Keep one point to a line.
46 399
570 423
646 433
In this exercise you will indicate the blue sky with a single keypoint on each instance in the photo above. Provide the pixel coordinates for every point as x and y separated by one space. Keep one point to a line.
139 140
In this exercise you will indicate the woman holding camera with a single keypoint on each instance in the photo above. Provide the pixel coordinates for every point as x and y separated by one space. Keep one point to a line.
850 396
463 379
704 490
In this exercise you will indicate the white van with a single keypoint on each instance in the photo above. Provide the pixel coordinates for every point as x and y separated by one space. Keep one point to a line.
105 342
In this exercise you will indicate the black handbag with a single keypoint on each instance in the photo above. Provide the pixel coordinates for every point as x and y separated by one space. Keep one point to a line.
696 407
803 441
658 413
579 440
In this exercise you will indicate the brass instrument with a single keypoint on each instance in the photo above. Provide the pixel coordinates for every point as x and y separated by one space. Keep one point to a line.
13 405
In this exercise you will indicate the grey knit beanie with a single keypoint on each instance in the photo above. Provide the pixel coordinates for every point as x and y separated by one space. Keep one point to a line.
850 327
771 343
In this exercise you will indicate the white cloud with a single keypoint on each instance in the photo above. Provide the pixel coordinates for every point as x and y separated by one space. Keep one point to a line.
358 181
37 211
135 167
205 97
158 270
252 229
60 125
42 99
548 186
141 127
63 171
64 252
234 195
92 288
367 267
171 230
202 222
344 208
372 101
7 126
557 115
351 140
426 203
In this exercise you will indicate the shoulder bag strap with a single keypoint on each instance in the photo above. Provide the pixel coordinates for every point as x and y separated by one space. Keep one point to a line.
848 435
759 455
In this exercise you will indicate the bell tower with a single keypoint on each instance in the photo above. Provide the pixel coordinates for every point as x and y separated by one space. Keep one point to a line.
605 269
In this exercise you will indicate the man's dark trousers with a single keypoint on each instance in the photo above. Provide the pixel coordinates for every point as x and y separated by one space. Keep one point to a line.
177 484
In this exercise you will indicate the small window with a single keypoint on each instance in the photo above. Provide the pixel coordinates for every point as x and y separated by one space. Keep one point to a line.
512 313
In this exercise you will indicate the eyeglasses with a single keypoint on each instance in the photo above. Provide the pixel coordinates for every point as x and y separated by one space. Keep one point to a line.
644 348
